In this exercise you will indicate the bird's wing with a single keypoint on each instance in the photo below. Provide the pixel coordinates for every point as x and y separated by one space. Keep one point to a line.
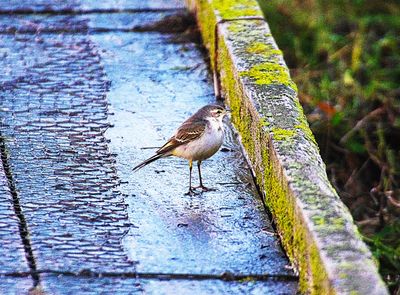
189 131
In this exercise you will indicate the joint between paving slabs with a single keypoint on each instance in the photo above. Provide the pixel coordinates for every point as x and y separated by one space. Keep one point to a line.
22 224
226 276
179 14
85 11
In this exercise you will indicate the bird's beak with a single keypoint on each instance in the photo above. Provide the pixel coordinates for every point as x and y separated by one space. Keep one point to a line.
228 113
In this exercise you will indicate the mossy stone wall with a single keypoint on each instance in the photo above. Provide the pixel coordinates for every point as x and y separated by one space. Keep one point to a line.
316 229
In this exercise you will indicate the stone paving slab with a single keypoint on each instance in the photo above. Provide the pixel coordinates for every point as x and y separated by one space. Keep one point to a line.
53 94
11 248
215 232
15 286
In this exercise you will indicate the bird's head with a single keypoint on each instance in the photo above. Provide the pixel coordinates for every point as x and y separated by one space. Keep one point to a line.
217 112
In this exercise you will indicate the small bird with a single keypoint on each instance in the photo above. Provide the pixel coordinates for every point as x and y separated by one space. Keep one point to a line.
197 139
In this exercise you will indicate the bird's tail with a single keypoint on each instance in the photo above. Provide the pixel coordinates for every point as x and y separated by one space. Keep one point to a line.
148 161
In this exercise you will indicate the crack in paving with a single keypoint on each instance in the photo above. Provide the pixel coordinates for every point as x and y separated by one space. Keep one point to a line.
225 276
137 29
76 31
176 22
22 224
85 11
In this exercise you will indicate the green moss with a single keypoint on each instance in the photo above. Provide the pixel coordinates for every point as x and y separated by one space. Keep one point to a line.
343 275
307 131
269 73
236 27
296 240
206 20
247 280
229 9
263 48
330 223
258 48
339 223
303 124
319 283
283 134
318 220
264 123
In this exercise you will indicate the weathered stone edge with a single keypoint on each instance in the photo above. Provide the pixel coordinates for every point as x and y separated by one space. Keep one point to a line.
316 229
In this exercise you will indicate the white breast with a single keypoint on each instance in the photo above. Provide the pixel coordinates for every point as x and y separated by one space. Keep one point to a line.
207 145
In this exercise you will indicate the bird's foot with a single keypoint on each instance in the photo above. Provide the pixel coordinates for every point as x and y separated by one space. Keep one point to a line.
205 189
191 192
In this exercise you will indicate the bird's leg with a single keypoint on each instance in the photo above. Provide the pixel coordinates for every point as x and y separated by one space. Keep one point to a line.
201 182
198 167
191 191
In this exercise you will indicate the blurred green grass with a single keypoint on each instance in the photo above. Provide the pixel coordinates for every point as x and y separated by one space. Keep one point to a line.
344 57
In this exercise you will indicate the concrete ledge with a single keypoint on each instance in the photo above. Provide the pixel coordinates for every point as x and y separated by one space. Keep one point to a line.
316 229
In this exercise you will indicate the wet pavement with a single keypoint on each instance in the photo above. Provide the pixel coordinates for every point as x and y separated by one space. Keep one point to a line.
87 91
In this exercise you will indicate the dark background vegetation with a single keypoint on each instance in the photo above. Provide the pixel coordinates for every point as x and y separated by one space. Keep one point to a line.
345 59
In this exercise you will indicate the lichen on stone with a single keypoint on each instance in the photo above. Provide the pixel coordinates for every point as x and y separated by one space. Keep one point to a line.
283 134
303 124
236 27
270 73
229 9
264 49
264 123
